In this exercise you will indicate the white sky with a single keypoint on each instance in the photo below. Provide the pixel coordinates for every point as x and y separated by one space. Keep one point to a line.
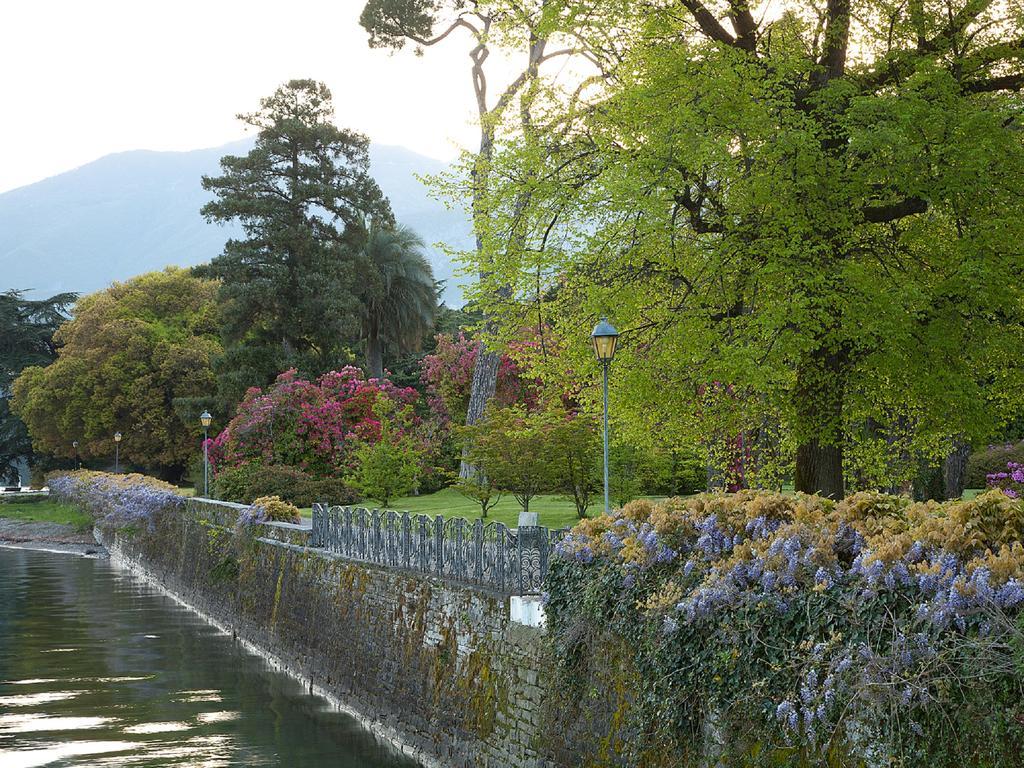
84 78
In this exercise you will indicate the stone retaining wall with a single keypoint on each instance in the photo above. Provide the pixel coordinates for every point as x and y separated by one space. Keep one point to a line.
436 667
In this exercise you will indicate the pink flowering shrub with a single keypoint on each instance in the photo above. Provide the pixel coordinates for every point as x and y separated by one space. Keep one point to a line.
1011 482
448 376
313 426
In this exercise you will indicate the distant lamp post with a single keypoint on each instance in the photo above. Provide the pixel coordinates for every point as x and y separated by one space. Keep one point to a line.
78 461
206 419
117 452
605 338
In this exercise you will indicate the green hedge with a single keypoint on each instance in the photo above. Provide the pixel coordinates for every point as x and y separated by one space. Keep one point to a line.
248 482
991 460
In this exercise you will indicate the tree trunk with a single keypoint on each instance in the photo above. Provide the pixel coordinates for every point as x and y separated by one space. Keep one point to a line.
374 356
818 401
954 470
485 380
819 469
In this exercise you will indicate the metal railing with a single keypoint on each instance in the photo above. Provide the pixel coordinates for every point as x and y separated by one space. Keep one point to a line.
487 555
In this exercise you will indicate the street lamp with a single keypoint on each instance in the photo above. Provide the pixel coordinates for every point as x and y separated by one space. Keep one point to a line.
206 419
605 337
78 461
117 452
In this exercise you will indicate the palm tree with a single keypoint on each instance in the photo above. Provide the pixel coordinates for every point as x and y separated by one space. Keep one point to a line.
400 298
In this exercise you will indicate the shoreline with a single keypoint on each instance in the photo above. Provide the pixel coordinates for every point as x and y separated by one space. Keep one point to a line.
49 537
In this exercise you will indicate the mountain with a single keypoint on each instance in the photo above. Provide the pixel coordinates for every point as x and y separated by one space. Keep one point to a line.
135 212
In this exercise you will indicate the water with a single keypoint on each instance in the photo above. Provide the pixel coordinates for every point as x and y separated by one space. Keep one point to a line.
97 669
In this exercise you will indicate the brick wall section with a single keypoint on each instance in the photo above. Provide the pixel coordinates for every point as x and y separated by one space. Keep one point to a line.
437 666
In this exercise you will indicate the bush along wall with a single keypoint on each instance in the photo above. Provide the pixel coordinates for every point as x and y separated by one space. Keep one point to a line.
119 501
752 629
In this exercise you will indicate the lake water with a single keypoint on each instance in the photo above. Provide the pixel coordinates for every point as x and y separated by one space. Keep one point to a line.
98 669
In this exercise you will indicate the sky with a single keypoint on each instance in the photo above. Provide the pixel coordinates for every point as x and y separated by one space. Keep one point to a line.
85 79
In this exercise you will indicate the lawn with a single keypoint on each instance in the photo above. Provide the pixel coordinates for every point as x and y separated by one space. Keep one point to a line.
552 511
45 511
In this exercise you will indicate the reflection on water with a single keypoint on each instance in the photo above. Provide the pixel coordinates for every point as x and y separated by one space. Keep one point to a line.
96 669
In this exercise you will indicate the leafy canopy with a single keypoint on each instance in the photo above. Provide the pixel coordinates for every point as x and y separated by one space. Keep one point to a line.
803 218
131 356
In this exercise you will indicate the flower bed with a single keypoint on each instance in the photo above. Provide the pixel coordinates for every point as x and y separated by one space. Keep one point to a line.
764 627
116 500
1010 481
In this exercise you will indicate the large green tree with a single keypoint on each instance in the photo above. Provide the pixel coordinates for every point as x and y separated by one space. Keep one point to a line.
26 339
805 218
399 295
133 360
290 289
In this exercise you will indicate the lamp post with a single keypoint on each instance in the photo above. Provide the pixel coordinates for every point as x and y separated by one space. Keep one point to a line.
205 419
78 461
605 337
117 452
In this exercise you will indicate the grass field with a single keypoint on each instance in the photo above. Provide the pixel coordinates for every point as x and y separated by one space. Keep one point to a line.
552 511
45 511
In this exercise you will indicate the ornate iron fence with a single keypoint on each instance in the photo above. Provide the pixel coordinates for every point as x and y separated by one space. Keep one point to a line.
488 555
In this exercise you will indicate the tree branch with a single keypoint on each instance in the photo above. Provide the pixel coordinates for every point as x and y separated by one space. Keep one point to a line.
1004 83
707 22
882 214
837 37
744 24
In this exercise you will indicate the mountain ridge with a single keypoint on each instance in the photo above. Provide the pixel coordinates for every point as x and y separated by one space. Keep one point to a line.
136 211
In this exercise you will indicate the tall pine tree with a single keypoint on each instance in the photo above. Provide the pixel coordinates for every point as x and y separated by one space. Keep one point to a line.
302 194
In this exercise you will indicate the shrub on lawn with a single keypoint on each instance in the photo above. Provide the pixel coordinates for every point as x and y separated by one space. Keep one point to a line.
749 628
250 481
990 460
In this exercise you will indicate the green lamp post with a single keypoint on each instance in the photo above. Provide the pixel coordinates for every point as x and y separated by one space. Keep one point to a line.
605 338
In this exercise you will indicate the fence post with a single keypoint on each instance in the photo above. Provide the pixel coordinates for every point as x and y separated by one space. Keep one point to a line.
439 544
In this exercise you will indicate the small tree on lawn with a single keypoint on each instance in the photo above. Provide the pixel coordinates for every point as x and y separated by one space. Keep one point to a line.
513 449
389 467
575 452
480 490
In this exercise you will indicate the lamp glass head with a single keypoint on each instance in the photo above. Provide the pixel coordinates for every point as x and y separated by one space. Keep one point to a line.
605 338
206 419
117 437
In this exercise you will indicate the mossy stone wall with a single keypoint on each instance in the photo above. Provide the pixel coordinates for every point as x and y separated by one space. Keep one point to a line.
435 666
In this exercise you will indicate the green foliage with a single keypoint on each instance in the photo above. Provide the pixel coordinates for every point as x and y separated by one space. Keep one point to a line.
291 288
276 510
480 490
990 460
26 339
793 268
399 295
131 353
575 450
390 466
249 481
513 449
